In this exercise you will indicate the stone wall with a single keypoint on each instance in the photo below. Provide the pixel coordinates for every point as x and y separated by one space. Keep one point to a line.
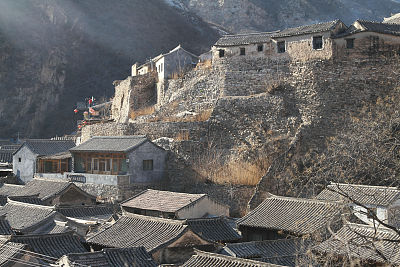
133 93
260 105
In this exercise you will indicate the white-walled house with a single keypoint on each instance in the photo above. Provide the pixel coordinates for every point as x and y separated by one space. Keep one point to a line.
25 158
366 199
167 65
174 205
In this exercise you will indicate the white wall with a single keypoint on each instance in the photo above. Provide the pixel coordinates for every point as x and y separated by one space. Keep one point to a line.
204 206
361 213
25 169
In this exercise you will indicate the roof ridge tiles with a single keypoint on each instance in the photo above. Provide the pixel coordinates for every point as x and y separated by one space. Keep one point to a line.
250 33
305 200
156 219
363 185
14 202
230 258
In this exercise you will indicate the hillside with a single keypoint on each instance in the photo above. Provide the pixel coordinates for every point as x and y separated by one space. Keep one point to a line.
268 15
54 53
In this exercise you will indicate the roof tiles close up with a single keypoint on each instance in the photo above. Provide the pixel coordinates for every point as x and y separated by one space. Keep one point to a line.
138 230
294 215
111 143
164 201
363 194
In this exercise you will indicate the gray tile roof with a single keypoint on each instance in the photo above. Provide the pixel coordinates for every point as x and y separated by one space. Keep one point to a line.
10 252
137 230
5 228
207 259
53 245
44 147
379 27
6 155
27 199
111 143
244 39
23 217
10 189
214 229
92 213
51 227
118 257
165 201
294 215
307 29
287 252
46 189
363 242
364 194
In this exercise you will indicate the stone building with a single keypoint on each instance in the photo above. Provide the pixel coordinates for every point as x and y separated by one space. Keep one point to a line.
118 160
300 43
175 62
174 205
323 41
25 158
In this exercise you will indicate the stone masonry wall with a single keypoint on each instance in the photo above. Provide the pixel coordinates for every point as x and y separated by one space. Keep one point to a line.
265 104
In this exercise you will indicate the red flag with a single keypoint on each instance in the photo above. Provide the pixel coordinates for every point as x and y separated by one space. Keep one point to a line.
75 110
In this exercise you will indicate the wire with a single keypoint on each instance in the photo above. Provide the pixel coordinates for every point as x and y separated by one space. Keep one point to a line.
19 260
40 256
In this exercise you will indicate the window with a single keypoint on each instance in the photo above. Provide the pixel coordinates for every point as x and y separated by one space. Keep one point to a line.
221 52
19 159
349 43
281 47
371 213
260 48
242 51
317 42
148 165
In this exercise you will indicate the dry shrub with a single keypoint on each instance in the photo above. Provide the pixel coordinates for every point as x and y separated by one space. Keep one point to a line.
201 116
141 112
233 171
182 136
204 65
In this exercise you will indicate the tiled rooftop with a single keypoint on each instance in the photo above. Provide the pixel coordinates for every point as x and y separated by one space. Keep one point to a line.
53 245
164 201
287 252
244 39
364 194
116 257
363 242
207 259
44 147
214 229
111 143
307 29
294 215
137 230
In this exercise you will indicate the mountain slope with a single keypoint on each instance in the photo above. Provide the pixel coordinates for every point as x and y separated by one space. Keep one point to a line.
268 15
54 53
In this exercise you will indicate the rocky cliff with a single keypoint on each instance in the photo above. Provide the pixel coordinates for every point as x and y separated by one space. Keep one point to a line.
54 53
267 15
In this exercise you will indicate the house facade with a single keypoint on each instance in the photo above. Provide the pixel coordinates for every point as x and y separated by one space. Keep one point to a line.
324 41
25 158
168 65
117 160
